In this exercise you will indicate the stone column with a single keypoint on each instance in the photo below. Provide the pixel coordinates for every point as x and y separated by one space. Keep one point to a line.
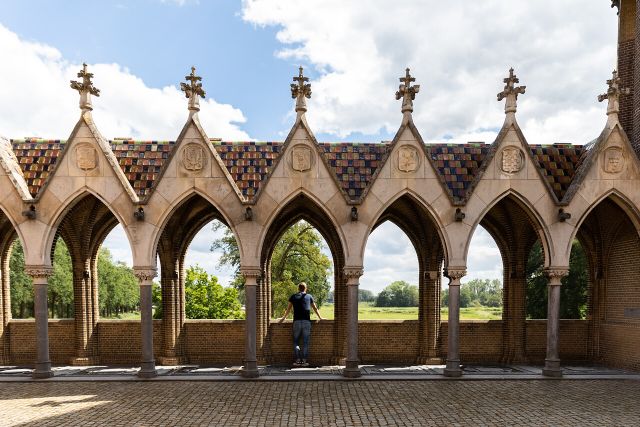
453 344
352 275
250 368
552 361
40 276
145 277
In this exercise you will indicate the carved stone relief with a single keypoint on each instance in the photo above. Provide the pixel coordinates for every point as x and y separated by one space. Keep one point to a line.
408 159
86 157
301 158
512 160
613 160
193 157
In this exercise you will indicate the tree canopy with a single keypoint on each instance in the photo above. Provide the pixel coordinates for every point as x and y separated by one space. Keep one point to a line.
205 298
297 257
398 294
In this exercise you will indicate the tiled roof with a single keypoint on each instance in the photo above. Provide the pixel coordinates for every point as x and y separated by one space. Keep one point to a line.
248 162
354 164
458 165
141 161
558 163
37 158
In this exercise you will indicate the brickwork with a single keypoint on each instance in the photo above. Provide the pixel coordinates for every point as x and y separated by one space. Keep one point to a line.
214 341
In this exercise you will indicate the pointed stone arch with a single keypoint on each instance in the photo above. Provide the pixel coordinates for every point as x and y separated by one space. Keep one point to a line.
8 235
189 214
427 236
302 206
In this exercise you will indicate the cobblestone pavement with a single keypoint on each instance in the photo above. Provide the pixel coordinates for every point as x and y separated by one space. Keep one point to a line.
318 403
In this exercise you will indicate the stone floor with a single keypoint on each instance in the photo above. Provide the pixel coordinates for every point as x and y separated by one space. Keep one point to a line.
321 403
268 373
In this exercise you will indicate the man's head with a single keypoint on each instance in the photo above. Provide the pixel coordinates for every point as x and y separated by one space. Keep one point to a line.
302 287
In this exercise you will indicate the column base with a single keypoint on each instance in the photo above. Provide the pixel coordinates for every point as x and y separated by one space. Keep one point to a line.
351 370
83 361
42 371
147 370
552 368
171 360
428 360
453 369
250 369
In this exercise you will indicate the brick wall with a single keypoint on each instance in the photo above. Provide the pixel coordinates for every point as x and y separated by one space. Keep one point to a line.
119 341
620 330
380 341
214 341
22 338
320 350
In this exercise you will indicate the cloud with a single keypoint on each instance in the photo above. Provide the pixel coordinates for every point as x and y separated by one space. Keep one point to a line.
36 99
459 52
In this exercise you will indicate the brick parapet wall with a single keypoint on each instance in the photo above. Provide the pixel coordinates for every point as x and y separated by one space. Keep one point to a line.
380 341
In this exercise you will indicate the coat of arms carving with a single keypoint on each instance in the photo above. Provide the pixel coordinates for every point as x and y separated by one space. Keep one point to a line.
301 158
512 160
613 160
86 157
408 160
193 157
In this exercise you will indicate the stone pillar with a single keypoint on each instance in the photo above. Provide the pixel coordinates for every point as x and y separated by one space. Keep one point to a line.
145 277
429 318
352 276
552 361
40 276
250 368
453 339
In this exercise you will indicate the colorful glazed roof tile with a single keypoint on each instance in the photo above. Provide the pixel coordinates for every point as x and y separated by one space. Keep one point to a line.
141 161
354 164
558 163
458 165
249 163
37 158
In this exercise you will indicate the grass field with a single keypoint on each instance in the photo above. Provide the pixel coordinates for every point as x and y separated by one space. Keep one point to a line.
369 312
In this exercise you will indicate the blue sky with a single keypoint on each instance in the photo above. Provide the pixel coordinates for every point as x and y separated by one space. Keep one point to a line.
247 51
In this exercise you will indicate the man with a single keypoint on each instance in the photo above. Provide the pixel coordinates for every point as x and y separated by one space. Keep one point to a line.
302 302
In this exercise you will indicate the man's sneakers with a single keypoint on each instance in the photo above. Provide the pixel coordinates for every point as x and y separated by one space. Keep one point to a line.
300 363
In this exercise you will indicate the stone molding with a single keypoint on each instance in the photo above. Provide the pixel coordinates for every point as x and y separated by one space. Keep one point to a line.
455 273
352 273
253 272
38 271
145 273
555 274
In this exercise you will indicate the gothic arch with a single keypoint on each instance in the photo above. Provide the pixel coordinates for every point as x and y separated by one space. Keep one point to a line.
433 217
535 219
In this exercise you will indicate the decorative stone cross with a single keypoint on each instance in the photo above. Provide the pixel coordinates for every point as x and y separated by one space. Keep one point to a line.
299 91
613 95
407 92
193 89
510 92
85 88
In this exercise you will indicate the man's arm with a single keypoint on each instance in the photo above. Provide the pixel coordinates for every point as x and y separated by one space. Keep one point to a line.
286 312
315 308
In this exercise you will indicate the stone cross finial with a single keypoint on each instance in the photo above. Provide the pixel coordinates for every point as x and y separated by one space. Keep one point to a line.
85 88
407 93
510 92
616 3
299 91
193 89
613 95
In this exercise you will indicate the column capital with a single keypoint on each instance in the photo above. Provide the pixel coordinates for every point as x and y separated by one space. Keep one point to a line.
555 274
254 272
145 273
353 272
455 273
38 271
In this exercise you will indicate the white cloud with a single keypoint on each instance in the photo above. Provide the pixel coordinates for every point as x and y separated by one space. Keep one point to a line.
459 52
37 100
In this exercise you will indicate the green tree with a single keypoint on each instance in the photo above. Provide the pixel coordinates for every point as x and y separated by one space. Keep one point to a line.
297 257
60 284
21 287
118 288
479 292
398 294
574 289
365 295
156 300
205 298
